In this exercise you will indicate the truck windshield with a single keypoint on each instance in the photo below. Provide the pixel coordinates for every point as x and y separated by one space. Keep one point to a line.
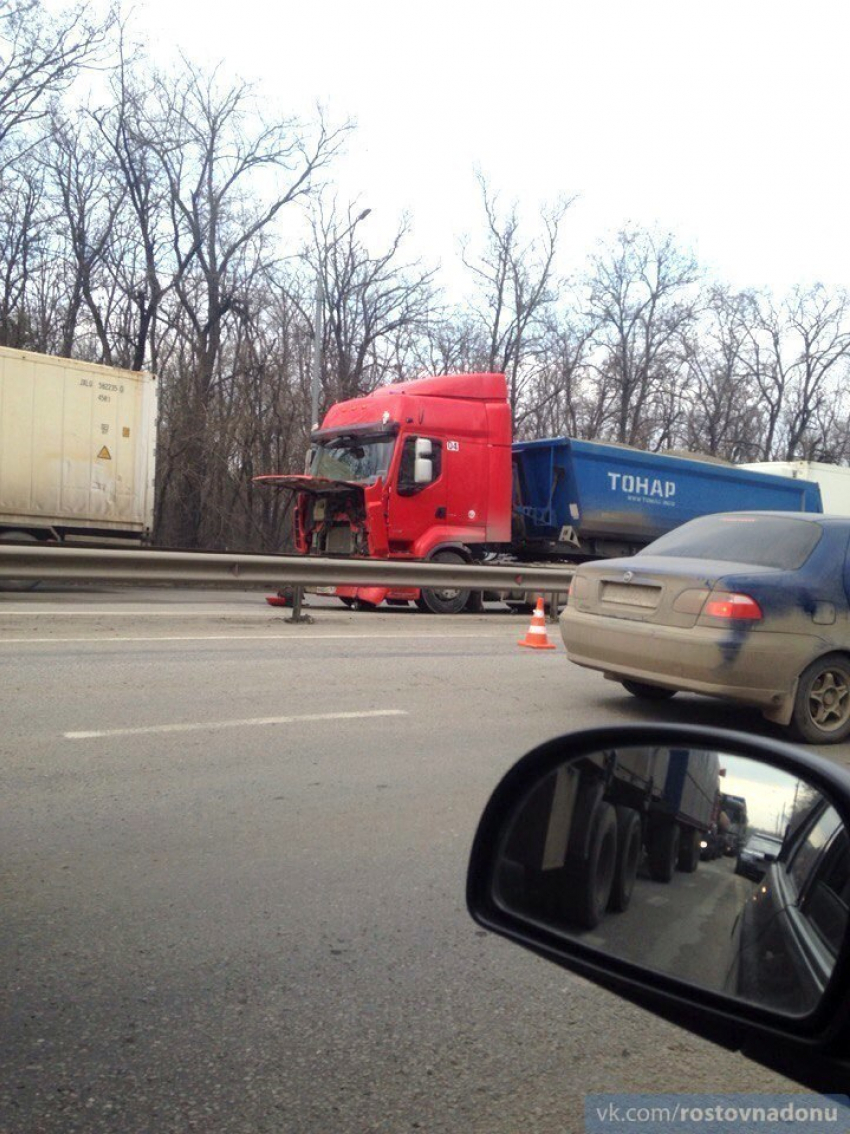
363 459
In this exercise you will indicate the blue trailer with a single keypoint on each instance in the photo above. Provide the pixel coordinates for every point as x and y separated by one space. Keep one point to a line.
588 499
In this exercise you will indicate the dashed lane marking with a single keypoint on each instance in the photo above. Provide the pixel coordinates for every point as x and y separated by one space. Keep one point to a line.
205 726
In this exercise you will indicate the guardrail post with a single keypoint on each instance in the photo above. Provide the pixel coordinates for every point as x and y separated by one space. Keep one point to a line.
297 603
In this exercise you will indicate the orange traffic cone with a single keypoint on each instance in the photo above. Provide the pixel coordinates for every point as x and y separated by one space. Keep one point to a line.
536 638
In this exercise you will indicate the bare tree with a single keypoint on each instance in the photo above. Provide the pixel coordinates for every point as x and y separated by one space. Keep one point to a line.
146 278
514 277
229 174
819 332
22 231
41 53
376 305
643 301
722 406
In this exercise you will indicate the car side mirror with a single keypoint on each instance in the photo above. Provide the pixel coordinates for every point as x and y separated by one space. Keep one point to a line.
595 852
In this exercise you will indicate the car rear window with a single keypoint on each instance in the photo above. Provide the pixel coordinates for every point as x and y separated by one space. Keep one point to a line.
761 541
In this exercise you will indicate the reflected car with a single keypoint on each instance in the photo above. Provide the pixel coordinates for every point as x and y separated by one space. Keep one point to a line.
793 927
749 606
756 855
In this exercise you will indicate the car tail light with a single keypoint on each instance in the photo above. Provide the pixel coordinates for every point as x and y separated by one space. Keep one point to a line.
733 607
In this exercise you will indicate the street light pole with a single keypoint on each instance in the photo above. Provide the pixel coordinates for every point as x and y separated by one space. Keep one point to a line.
319 321
318 334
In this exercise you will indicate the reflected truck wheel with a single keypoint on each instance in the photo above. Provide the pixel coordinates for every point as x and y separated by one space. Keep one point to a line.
689 841
629 850
663 850
589 887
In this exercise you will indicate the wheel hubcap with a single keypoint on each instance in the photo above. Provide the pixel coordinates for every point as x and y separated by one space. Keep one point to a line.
829 700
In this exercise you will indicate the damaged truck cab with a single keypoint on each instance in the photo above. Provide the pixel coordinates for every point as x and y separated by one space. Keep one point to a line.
416 470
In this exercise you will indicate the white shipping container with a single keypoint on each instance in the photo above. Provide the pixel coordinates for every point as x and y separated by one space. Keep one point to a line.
77 446
833 480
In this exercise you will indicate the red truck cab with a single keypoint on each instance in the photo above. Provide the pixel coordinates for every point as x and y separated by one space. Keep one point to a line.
416 470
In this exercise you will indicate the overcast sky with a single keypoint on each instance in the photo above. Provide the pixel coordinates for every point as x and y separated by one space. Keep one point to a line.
723 122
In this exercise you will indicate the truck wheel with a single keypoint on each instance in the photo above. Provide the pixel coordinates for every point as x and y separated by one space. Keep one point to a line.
361 604
18 585
689 850
629 848
647 692
445 600
822 705
663 850
589 883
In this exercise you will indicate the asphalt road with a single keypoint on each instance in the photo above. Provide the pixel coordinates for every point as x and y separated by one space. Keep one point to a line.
683 928
233 861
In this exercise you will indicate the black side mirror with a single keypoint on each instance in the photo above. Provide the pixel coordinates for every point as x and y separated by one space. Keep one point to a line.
595 851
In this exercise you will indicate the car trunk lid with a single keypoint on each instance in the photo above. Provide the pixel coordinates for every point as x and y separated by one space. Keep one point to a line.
655 589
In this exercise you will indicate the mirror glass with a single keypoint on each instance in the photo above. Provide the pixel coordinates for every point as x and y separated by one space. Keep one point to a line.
706 866
423 470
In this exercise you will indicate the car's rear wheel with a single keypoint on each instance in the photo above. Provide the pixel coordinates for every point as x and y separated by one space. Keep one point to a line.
648 692
822 705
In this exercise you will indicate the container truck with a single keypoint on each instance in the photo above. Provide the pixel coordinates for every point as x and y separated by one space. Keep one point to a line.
77 446
832 480
428 470
580 840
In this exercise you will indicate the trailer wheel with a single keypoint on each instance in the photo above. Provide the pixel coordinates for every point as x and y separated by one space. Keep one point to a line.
589 883
689 851
361 604
663 849
445 600
629 848
647 692
18 585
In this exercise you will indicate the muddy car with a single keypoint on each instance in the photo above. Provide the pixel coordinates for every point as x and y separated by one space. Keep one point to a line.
749 606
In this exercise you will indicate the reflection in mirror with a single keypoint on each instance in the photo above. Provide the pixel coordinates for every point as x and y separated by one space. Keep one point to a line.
713 868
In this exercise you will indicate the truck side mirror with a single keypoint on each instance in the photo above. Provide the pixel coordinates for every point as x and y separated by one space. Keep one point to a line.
423 470
423 464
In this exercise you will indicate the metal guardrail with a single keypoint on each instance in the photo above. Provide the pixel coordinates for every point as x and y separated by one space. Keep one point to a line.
238 571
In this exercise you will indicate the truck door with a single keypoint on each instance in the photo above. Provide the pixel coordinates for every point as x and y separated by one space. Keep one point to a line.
414 508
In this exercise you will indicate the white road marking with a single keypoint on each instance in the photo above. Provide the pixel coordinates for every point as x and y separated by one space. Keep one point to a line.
208 612
247 638
203 726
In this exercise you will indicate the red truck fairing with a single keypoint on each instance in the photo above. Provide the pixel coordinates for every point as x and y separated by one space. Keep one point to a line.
364 500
